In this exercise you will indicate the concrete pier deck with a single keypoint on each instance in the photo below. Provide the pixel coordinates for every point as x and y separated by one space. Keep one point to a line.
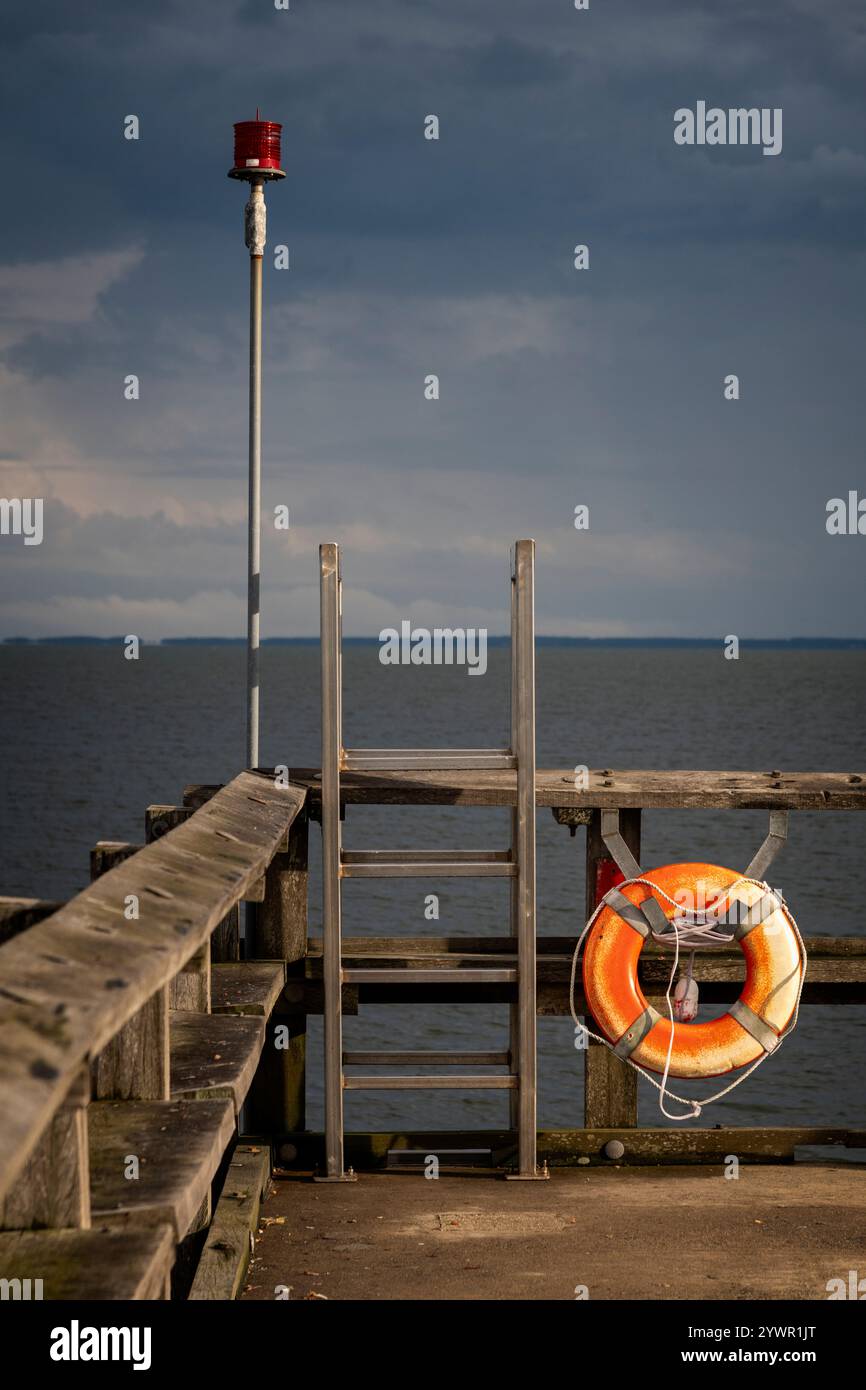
668 1233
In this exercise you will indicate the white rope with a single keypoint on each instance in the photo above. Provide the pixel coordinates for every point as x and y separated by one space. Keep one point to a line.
703 935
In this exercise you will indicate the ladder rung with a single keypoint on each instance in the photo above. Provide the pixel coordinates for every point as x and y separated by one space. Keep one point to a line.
421 863
454 1158
425 1059
430 1083
426 856
426 759
362 975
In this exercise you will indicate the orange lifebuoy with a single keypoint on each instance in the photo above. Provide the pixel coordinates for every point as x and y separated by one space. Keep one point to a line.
755 1024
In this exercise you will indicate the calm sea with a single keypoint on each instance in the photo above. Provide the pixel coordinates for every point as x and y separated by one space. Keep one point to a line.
89 739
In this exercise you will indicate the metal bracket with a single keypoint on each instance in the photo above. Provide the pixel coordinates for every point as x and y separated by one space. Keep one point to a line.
777 836
651 911
775 840
619 850
625 861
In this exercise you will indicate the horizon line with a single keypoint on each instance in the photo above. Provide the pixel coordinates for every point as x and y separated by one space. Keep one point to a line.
493 639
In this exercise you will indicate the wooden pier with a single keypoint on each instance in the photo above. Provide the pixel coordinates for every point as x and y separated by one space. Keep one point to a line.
134 1039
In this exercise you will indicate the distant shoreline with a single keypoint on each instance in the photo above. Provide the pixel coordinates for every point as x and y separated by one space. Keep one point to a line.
768 643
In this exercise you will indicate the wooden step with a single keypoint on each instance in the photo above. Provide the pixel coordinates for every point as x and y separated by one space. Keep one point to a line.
179 1146
214 1055
91 1265
247 986
231 1238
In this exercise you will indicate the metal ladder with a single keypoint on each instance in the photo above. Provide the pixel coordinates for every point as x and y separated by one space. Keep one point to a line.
516 863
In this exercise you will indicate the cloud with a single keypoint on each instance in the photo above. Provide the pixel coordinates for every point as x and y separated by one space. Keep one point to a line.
411 257
39 296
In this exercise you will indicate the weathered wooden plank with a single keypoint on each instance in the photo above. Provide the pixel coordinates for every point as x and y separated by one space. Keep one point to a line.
53 1187
836 971
309 996
198 793
607 789
304 1151
189 1249
281 920
771 1144
247 987
159 820
191 987
178 1146
552 999
214 1055
91 1265
81 974
107 854
278 1094
18 914
256 891
231 1239
225 943
833 955
133 1065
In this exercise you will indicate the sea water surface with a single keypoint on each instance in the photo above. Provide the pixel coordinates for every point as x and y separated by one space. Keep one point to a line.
89 739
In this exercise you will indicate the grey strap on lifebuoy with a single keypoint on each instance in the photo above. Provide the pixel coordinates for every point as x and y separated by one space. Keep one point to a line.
756 913
624 908
634 1036
755 1025
642 917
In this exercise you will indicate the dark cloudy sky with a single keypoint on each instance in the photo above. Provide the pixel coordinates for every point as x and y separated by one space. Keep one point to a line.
409 257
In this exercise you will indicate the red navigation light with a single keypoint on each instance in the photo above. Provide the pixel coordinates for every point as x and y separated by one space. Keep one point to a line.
257 150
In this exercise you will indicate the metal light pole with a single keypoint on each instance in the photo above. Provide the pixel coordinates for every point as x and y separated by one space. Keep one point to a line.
257 159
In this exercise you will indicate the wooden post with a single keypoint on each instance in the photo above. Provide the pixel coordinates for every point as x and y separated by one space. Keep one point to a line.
610 1086
107 854
190 988
135 1064
225 944
18 914
54 1188
159 820
276 1103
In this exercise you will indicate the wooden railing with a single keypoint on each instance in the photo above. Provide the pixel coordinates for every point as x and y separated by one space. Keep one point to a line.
131 1033
836 975
126 1051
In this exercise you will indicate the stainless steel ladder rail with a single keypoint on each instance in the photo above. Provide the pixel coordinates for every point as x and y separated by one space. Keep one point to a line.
332 932
517 864
523 890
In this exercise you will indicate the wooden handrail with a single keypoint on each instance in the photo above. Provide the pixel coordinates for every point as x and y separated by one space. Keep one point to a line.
606 789
69 983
